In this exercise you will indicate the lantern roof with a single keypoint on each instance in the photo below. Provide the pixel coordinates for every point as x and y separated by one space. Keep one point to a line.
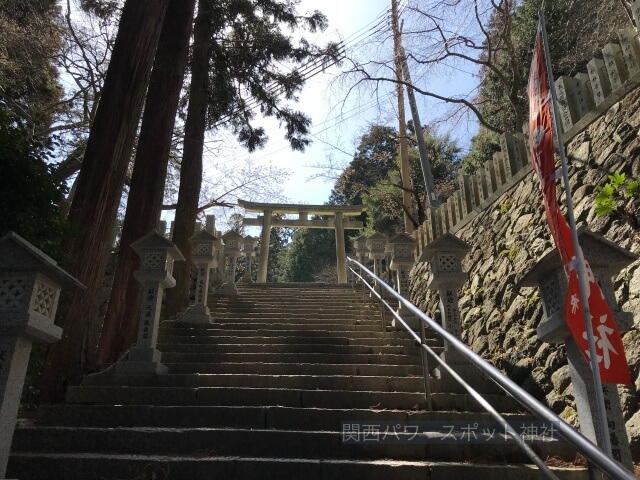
18 255
598 251
446 243
154 241
203 236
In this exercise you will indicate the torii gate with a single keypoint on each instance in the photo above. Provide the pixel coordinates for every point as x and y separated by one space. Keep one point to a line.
339 223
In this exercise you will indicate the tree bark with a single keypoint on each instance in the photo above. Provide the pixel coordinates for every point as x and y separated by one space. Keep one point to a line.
191 168
95 203
148 178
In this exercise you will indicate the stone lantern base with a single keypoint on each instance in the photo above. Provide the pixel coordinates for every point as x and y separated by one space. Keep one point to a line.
409 318
141 361
228 290
467 371
199 314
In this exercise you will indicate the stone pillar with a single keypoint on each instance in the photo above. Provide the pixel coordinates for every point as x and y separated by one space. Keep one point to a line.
157 255
402 261
232 242
248 248
341 252
377 244
445 260
614 62
482 185
466 190
162 227
584 93
567 105
600 84
265 238
605 259
30 285
203 254
630 49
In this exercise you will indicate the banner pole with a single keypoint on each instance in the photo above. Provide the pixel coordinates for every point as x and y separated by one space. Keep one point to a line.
579 258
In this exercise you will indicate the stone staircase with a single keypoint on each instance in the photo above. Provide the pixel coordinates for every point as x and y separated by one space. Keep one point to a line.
262 394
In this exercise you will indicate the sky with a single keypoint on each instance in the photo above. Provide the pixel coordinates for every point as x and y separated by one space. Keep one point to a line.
339 119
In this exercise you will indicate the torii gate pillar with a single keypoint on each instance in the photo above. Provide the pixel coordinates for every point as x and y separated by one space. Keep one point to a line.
265 239
341 251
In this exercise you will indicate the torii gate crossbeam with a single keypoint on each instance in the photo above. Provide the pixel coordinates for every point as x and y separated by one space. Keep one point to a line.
339 223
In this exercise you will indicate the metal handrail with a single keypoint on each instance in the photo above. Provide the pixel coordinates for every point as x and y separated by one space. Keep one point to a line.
587 448
474 393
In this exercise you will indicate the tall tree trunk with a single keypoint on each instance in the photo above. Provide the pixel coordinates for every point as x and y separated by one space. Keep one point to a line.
95 203
148 177
191 168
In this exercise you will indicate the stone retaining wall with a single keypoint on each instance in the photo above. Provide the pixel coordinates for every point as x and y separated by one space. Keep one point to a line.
510 234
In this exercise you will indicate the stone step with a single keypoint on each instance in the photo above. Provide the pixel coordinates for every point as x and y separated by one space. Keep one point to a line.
225 396
289 348
328 301
296 369
283 328
283 305
414 384
271 305
230 396
291 289
297 315
290 326
184 329
310 287
272 417
301 382
318 358
429 445
35 466
308 319
293 339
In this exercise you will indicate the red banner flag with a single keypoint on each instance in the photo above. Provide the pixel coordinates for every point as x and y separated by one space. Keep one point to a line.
609 349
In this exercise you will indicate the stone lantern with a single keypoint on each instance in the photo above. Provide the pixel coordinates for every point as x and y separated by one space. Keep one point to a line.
361 249
30 286
388 250
402 248
216 274
377 244
203 254
157 255
249 249
232 244
445 261
605 259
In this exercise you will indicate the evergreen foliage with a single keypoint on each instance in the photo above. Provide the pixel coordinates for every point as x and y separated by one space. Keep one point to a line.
311 252
246 54
372 162
29 42
29 197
